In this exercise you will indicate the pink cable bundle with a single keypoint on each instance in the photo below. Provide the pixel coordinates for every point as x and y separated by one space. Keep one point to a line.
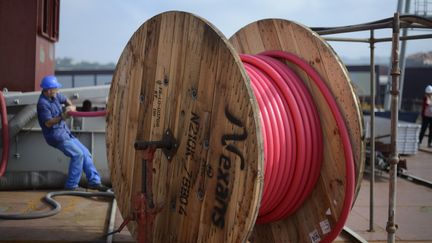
5 135
87 113
292 134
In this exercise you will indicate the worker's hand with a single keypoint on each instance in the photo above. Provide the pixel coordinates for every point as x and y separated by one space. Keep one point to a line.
70 108
65 115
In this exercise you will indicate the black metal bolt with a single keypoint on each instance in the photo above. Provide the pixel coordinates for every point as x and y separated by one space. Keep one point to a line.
173 205
200 194
209 171
206 144
194 94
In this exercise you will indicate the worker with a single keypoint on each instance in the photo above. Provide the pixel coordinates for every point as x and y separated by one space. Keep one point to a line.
427 116
58 135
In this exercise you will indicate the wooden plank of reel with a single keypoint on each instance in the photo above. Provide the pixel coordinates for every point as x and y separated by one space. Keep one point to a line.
323 207
179 73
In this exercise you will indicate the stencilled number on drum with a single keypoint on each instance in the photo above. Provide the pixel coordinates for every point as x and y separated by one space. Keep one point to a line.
184 193
191 144
193 129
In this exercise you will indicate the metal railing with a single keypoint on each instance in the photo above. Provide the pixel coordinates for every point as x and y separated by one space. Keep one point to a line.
81 78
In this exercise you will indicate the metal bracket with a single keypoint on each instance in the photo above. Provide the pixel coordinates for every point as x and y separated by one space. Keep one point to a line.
144 210
168 144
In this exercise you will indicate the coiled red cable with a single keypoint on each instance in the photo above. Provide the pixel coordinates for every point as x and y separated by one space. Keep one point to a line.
5 135
292 134
87 113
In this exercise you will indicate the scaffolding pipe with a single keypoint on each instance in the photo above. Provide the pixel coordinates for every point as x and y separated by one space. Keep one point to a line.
405 21
412 37
394 159
372 130
354 28
399 6
365 27
362 40
402 56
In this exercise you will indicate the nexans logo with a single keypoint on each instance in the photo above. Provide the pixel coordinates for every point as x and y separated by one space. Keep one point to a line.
222 190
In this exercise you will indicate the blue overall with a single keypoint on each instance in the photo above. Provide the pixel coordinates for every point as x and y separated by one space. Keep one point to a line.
59 136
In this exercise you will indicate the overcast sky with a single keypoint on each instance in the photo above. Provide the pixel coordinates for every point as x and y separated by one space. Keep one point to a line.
98 30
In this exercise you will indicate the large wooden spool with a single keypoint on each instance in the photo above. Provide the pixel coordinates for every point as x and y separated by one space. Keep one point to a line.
179 73
321 211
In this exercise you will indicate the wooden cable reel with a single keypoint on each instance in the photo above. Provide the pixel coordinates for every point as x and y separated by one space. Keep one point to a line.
179 75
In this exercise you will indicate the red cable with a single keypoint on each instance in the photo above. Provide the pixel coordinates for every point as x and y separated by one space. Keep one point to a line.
5 135
312 123
87 113
343 130
292 135
279 138
282 197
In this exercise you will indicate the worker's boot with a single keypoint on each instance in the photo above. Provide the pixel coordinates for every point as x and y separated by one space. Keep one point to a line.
76 189
99 187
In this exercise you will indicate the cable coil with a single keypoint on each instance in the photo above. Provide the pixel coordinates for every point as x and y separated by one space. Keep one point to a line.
87 113
292 134
5 135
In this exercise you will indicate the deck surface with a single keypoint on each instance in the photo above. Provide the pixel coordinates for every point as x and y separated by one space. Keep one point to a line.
414 204
85 220
80 220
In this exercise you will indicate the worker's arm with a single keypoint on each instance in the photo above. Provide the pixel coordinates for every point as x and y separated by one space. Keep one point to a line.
53 121
429 99
45 116
68 102
69 106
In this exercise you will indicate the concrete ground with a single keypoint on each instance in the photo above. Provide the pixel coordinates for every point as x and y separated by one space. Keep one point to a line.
413 204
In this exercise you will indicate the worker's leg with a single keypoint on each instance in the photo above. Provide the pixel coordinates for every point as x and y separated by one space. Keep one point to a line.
74 152
88 165
423 128
430 132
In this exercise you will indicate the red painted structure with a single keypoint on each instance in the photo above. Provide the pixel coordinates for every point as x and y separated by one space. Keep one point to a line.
28 31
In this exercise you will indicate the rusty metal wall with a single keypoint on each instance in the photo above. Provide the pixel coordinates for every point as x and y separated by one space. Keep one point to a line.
25 54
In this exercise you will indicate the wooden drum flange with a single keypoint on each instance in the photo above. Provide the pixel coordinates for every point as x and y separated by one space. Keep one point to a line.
320 212
178 73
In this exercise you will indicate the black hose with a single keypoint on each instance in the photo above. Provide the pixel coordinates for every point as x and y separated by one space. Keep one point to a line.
21 119
32 180
56 207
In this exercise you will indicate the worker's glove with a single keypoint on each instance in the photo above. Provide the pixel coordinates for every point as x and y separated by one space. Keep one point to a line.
65 115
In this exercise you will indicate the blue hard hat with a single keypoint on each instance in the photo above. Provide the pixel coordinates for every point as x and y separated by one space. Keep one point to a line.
50 82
